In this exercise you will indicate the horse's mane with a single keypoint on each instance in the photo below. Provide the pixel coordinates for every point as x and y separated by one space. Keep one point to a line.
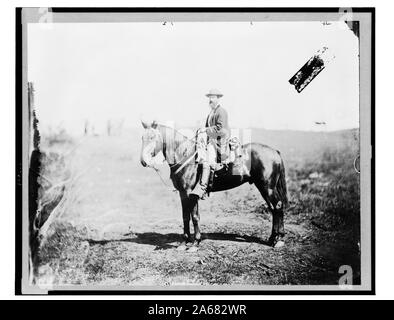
162 127
176 145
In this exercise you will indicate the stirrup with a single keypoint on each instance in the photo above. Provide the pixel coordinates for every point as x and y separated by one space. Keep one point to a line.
199 192
219 166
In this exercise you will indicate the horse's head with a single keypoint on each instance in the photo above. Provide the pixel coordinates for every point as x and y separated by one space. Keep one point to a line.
152 143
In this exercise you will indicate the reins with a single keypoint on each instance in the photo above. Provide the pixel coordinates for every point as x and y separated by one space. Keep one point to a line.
184 164
161 178
187 160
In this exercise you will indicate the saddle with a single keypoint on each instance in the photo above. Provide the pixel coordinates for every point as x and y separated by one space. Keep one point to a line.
233 161
233 153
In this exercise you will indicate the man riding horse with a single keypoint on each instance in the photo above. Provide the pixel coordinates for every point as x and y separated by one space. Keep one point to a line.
212 141
265 168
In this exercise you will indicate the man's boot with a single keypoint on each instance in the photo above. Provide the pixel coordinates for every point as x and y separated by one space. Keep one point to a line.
201 188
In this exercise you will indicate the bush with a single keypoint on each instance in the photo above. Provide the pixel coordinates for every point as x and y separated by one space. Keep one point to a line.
56 136
342 198
328 188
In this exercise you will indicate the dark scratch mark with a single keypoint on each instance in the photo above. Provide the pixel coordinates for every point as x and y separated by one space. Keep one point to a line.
33 187
311 69
354 26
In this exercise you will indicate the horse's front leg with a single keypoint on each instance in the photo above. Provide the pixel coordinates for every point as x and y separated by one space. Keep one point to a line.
196 223
186 220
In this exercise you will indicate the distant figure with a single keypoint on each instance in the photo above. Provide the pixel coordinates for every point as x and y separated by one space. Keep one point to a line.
211 142
109 127
86 128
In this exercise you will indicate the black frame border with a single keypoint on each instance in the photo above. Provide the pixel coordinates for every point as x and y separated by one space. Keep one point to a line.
18 151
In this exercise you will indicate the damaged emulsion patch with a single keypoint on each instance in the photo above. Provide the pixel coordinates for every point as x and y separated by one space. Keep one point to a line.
311 69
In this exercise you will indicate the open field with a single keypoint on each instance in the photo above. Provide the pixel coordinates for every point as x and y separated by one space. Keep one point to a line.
124 225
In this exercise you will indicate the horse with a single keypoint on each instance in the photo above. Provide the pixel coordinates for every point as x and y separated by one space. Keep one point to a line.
267 173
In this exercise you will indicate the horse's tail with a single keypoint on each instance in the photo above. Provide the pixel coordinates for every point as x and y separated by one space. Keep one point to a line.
281 187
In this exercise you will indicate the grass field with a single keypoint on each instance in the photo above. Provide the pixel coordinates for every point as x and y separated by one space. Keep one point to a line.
123 224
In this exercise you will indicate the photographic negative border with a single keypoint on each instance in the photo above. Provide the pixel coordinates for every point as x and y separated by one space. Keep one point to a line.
21 175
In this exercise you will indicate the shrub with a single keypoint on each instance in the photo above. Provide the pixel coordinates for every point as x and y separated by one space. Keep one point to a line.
56 136
329 188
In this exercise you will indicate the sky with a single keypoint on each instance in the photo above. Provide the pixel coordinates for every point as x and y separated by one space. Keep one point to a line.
147 70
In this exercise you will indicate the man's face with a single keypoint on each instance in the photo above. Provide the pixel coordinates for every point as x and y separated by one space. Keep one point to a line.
213 101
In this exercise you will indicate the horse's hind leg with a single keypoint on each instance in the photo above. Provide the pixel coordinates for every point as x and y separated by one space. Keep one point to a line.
276 208
278 230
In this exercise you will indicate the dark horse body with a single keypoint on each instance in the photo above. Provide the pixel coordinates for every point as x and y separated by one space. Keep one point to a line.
265 170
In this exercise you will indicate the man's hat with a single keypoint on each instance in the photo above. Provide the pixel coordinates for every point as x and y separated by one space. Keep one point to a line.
214 92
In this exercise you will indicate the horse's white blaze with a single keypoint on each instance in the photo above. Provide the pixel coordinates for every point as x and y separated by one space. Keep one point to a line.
147 152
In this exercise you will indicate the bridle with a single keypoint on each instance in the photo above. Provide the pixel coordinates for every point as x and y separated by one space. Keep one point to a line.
172 165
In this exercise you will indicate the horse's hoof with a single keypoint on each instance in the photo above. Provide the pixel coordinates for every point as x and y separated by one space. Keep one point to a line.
192 249
182 247
279 244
